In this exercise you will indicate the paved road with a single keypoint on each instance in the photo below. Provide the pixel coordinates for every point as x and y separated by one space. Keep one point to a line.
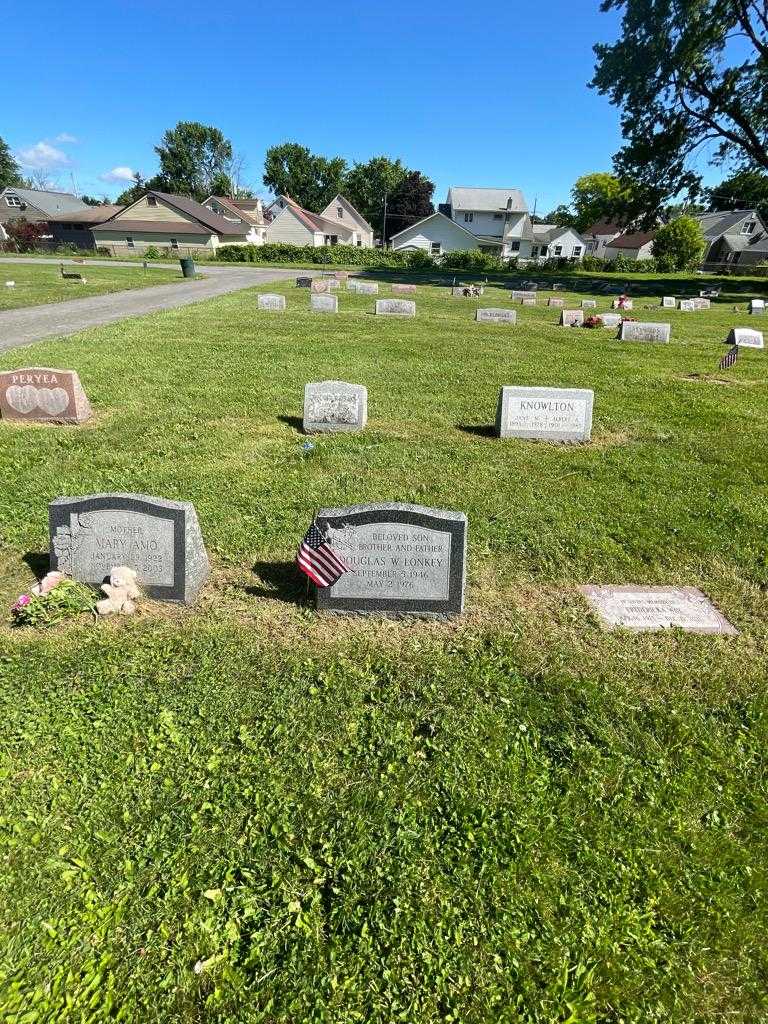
24 326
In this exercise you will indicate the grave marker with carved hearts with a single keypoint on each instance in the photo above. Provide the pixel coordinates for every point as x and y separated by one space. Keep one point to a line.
42 394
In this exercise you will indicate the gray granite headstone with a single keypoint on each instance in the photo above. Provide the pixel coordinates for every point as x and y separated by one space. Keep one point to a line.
668 302
158 538
545 414
635 330
333 406
395 307
687 306
496 316
271 301
653 608
324 303
588 304
404 289
303 282
569 317
406 560
757 307
745 338
556 302
43 395
519 296
611 319
363 287
701 303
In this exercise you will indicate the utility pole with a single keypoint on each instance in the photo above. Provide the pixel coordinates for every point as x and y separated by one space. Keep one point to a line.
384 232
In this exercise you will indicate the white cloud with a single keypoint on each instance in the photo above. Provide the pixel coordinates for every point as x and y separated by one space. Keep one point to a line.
118 174
65 137
41 157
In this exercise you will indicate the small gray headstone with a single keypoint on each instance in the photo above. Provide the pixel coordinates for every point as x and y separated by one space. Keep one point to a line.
545 414
363 287
496 316
556 302
634 330
519 296
270 301
745 338
160 539
319 285
407 560
569 317
687 306
333 406
757 307
303 282
43 395
653 608
611 319
395 307
324 303
701 303
588 304
668 302
404 289
527 302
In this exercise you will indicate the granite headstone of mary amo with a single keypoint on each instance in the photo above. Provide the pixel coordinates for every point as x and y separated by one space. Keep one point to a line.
654 608
269 300
402 560
571 317
636 330
545 414
492 315
324 303
39 394
158 538
333 406
744 337
395 307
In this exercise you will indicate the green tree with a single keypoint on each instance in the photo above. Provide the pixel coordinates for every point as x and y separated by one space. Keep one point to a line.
140 186
562 215
743 190
409 202
679 245
681 84
194 159
366 185
313 181
599 196
10 172
93 201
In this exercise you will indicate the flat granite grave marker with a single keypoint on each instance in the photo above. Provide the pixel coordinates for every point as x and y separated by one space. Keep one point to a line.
527 302
467 291
332 406
407 560
520 296
545 414
158 538
569 317
653 608
556 302
701 303
745 338
39 394
588 304
271 301
319 285
303 282
611 319
395 307
404 289
324 303
757 307
491 315
363 287
635 330
686 306
668 302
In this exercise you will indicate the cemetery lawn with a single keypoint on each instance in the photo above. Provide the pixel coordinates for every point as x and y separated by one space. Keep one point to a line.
43 283
241 812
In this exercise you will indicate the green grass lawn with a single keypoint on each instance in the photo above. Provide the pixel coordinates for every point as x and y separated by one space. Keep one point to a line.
43 283
243 812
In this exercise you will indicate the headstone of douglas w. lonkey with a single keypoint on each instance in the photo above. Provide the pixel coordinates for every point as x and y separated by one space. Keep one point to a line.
333 406
545 414
158 538
404 560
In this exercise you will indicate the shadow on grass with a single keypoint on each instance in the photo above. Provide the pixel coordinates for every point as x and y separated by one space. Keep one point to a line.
478 429
281 581
293 421
38 561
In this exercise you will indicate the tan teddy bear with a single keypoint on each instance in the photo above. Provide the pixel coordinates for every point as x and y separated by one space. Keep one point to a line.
121 592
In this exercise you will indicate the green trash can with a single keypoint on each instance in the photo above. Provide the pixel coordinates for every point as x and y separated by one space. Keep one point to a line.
187 267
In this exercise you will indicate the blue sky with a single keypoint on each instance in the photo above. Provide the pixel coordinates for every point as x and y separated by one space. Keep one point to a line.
491 95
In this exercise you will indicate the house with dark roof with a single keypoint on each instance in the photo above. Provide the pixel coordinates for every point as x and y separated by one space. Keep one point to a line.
240 211
632 245
338 224
170 222
36 205
734 237
597 236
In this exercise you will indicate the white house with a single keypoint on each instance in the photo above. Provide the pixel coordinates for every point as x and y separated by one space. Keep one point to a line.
246 212
597 236
553 242
633 245
344 215
338 224
436 234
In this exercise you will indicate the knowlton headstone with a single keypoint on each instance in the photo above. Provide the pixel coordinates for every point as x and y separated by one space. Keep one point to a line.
271 301
333 406
405 560
39 394
395 307
635 330
492 315
158 538
545 414
404 289
745 338
324 303
668 302
569 317
653 608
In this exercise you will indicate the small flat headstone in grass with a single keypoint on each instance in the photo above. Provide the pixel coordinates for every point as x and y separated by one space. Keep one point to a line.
395 307
635 330
363 287
654 608
303 282
687 306
588 304
669 302
556 302
496 316
324 303
319 285
611 319
271 301
745 338
545 414
569 317
333 406
158 538
757 307
406 560
44 395
522 296
404 289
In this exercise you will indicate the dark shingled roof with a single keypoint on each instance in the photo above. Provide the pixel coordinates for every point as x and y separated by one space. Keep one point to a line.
632 240
205 217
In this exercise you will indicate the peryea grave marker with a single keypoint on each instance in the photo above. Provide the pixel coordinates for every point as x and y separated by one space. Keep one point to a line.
653 608
745 338
406 560
635 330
395 307
332 406
271 301
545 414
496 316
324 303
44 395
160 539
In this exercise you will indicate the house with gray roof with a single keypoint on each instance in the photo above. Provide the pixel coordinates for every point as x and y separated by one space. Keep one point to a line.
734 237
338 224
35 205
550 241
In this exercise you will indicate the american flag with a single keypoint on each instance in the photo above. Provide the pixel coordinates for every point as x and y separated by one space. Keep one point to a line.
730 357
318 560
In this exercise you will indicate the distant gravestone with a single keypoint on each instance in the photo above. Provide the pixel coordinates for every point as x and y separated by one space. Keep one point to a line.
611 319
545 414
653 608
757 307
496 316
687 306
404 289
527 302
303 282
160 539
333 406
520 296
701 303
571 317
668 302
324 303
467 291
556 302
363 287
43 395
619 304
588 304
271 301
745 338
319 285
341 275
406 560
333 284
634 330
395 307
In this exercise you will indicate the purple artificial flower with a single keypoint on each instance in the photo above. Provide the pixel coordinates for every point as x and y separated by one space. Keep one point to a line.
21 602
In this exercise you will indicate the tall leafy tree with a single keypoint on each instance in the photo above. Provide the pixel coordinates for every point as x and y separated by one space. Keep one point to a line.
598 196
409 202
562 215
367 184
194 160
743 190
142 185
10 172
313 181
681 85
679 245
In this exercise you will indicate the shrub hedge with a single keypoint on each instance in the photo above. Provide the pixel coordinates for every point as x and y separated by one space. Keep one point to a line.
281 252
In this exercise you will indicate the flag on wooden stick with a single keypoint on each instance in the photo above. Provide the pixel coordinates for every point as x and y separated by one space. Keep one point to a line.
730 357
317 559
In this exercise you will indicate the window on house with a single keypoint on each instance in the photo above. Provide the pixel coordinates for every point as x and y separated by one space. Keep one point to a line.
543 251
339 212
749 227
174 243
359 243
129 242
558 250
13 201
468 218
497 216
534 252
515 247
590 246
577 250
151 201
435 248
